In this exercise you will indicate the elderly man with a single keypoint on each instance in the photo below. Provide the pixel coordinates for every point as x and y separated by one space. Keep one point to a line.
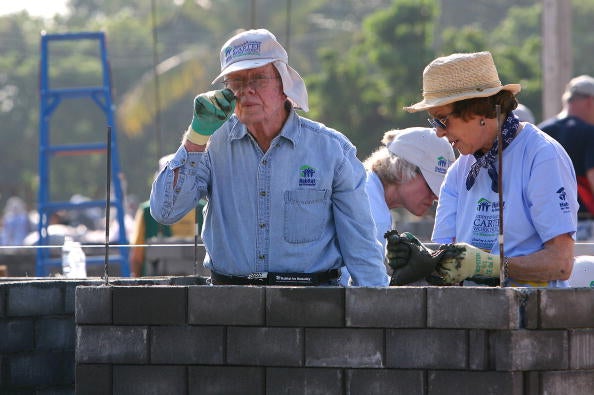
574 129
286 195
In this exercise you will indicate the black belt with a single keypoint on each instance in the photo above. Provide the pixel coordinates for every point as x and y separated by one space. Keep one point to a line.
270 278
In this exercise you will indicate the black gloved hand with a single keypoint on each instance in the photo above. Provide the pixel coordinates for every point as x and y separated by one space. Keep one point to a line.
409 258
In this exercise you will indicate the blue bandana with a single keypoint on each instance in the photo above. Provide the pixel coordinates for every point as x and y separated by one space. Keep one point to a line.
508 131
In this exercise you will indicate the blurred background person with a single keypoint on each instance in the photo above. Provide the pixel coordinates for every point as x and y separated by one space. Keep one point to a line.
146 229
15 222
574 129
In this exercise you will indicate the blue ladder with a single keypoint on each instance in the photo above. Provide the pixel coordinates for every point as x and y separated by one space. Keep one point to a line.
49 100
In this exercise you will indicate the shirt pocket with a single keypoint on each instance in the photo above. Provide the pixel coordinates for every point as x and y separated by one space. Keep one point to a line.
306 215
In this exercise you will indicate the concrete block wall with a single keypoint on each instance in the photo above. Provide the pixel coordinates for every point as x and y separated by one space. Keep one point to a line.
38 333
189 339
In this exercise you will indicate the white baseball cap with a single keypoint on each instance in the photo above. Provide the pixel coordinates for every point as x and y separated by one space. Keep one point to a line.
256 48
421 147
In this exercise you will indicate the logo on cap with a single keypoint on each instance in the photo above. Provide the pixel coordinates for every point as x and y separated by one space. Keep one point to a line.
442 165
248 48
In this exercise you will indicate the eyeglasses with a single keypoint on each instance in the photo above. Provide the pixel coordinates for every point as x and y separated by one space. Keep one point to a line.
438 122
256 83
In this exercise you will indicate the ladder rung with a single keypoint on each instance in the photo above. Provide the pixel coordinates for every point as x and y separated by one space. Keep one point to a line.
77 149
74 92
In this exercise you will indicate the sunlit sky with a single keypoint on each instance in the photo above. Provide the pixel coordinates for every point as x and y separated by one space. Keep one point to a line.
43 8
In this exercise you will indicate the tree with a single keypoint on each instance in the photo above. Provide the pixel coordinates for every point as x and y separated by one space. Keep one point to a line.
362 91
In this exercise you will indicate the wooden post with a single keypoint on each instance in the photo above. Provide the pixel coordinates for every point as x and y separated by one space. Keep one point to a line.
557 56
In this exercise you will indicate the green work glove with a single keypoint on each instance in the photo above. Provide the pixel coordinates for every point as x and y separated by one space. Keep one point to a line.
211 110
461 261
409 258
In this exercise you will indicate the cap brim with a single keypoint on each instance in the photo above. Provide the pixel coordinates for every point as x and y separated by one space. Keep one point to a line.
433 179
432 103
243 65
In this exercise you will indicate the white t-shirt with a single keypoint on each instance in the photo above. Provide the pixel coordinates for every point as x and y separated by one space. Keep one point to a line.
539 196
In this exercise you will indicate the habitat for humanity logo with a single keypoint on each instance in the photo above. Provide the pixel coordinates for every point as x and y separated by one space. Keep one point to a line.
486 206
442 165
307 176
248 48
563 204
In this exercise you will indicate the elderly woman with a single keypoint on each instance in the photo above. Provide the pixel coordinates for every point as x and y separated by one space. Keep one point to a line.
460 93
406 171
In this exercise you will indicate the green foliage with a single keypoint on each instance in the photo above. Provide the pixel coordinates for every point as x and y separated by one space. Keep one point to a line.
515 46
362 91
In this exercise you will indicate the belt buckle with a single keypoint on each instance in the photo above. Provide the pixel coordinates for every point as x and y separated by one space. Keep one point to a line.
257 276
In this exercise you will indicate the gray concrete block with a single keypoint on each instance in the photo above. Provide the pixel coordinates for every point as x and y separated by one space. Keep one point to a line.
228 380
187 345
17 335
55 333
393 307
40 369
442 382
149 380
35 298
529 307
349 348
532 383
111 344
426 349
581 349
569 382
385 381
473 307
478 349
150 305
265 346
3 291
93 379
529 350
567 308
70 296
93 305
226 305
304 381
305 306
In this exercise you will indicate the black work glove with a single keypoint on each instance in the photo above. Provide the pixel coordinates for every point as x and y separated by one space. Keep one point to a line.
409 258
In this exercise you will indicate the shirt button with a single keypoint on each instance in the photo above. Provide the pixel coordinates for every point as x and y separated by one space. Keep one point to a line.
193 164
177 190
264 162
261 256
262 193
262 225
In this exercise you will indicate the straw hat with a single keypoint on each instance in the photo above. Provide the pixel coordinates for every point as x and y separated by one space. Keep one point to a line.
458 77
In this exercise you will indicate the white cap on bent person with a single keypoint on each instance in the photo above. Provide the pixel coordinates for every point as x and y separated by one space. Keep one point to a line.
256 48
421 147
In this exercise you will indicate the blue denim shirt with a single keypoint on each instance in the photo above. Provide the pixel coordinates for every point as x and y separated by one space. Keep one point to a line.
299 207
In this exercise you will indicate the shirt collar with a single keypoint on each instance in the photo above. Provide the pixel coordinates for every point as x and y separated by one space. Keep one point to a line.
291 130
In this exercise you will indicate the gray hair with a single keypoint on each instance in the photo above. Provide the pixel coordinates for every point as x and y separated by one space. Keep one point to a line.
390 168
